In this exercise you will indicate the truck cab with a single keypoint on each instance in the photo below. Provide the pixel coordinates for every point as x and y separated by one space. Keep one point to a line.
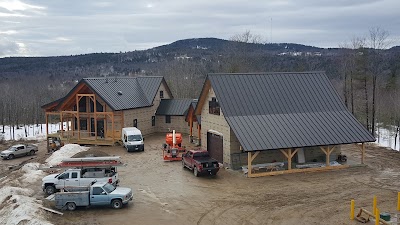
78 178
132 139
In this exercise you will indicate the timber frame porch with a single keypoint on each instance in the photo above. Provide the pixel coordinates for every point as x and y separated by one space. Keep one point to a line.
82 123
289 153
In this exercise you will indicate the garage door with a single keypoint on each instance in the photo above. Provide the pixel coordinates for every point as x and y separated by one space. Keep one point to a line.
215 146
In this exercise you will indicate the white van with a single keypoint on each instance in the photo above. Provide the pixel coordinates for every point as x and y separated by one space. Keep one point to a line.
132 139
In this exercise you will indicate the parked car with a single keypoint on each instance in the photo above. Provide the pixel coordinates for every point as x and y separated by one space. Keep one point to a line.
99 194
200 162
78 178
19 150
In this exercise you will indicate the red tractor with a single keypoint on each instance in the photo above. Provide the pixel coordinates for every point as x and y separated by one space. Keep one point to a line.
172 149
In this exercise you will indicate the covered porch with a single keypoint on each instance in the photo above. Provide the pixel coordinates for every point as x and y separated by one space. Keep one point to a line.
270 169
84 118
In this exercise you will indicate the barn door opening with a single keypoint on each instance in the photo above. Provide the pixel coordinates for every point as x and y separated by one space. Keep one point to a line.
215 146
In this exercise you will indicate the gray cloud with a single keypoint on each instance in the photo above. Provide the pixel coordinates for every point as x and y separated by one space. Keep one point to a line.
46 27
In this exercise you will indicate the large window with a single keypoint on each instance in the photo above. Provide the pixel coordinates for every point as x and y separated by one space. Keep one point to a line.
213 107
167 119
153 121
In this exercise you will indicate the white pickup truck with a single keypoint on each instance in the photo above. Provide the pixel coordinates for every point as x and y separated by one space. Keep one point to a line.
78 178
19 150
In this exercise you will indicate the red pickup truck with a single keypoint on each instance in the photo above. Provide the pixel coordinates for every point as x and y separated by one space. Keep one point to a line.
200 162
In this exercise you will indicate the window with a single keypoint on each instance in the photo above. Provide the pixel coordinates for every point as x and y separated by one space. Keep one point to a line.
135 122
153 121
97 190
213 106
83 124
64 176
74 175
167 119
161 94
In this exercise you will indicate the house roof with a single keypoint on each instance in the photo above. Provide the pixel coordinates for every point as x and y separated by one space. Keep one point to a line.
173 107
285 110
122 93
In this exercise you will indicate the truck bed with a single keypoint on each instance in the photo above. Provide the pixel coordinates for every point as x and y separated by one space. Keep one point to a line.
80 198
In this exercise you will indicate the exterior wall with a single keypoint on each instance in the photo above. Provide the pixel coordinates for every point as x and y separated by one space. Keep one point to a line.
178 124
144 115
216 123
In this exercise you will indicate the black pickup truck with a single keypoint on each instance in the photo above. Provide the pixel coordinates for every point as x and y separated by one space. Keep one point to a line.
200 162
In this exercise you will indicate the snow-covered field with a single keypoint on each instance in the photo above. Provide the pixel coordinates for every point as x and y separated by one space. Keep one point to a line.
28 132
17 204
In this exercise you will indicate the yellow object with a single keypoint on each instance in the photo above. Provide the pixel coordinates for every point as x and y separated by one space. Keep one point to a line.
377 216
398 201
374 205
352 210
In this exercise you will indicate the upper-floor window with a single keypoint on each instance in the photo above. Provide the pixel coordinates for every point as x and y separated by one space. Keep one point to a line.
135 122
167 119
161 94
213 106
153 121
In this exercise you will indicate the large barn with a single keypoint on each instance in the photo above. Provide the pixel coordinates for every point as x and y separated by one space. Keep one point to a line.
271 117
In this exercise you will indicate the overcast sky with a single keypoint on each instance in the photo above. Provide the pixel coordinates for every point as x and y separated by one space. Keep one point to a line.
55 27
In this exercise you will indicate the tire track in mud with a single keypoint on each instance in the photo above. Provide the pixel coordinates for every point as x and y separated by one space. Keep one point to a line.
218 214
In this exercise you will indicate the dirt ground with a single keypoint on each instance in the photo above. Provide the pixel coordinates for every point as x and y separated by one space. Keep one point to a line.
165 193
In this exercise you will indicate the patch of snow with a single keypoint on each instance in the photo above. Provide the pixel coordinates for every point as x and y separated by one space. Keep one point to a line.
67 151
21 209
8 190
386 137
32 173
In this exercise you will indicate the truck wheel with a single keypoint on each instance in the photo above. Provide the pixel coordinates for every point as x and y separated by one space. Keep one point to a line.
31 152
195 172
11 156
71 206
50 189
116 204
213 173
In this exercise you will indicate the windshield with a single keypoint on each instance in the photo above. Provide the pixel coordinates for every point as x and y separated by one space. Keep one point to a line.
11 149
201 154
108 188
136 137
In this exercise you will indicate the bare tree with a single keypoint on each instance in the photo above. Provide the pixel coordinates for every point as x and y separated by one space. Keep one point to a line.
378 41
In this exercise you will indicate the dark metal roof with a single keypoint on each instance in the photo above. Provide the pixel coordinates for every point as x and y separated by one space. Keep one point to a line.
125 92
285 110
174 107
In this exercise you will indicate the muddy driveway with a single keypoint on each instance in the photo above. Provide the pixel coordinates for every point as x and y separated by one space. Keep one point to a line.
165 193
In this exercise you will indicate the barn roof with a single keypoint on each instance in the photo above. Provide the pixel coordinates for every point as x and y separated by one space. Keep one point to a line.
285 110
173 107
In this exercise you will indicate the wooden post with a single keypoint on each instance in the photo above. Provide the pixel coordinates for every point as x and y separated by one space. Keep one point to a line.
191 125
249 164
362 153
289 155
112 126
78 121
95 118
47 132
199 133
62 124
327 152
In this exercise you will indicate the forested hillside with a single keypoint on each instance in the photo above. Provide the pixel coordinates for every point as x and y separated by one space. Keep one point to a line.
365 77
